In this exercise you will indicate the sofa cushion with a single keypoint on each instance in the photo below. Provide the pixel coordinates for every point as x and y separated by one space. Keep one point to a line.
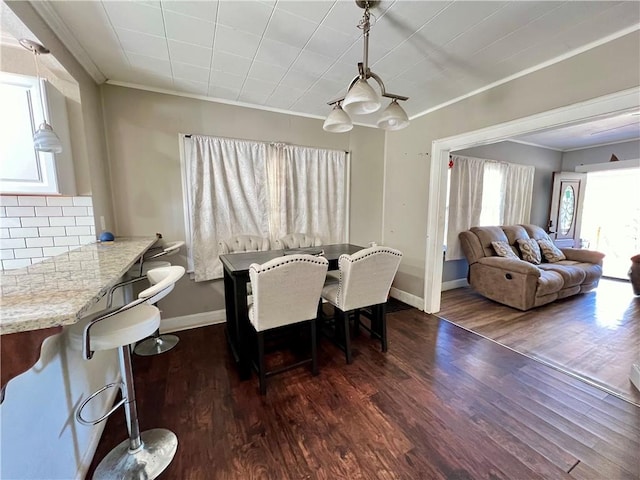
503 249
592 271
571 274
550 252
549 282
529 250
486 235
514 232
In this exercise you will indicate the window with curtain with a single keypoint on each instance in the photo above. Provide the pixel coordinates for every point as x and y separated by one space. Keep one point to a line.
241 187
485 192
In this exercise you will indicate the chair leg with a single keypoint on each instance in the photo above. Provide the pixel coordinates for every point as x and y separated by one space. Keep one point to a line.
347 336
314 347
261 364
383 325
356 322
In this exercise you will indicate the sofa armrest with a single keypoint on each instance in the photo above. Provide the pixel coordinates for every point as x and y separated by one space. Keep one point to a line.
582 255
511 264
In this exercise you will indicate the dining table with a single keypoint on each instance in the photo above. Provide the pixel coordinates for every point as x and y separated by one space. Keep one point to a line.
236 276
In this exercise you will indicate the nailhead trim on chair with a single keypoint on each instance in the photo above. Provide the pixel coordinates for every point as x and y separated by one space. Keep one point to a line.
309 260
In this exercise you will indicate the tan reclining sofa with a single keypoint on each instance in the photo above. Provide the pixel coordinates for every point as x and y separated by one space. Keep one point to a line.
521 284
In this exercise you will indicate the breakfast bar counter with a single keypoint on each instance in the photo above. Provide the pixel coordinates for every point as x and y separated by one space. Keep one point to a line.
37 301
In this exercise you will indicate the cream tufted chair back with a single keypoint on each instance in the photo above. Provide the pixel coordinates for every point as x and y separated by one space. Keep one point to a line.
297 240
286 290
243 243
365 278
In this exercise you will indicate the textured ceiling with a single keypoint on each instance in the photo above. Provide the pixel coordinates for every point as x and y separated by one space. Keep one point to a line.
295 56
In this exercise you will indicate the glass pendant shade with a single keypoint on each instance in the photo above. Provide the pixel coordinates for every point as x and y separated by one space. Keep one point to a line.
361 99
337 121
45 139
393 117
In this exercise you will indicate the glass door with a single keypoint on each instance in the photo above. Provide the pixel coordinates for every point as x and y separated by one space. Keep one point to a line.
611 218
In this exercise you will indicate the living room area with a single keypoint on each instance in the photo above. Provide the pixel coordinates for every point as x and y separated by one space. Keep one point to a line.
593 336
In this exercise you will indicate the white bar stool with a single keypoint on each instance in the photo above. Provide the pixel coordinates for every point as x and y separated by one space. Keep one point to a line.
155 344
147 454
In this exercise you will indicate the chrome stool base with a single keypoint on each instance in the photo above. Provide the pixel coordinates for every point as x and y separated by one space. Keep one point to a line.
149 461
156 345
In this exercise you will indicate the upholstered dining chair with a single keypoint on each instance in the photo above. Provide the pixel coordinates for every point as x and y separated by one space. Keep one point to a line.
364 281
297 240
286 291
243 243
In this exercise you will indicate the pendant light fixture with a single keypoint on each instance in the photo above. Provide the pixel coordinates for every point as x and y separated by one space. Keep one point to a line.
361 97
44 139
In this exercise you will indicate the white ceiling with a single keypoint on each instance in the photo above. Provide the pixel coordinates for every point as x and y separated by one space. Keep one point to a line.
295 56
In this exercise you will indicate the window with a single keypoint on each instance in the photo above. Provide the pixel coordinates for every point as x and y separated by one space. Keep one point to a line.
485 192
235 187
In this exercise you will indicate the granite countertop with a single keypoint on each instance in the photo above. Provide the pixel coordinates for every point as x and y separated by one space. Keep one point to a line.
58 291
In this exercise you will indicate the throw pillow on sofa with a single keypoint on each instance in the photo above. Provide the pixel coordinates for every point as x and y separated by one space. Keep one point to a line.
530 250
550 252
503 249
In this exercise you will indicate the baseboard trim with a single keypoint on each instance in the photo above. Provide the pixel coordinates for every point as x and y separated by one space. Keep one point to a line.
407 298
195 320
635 375
461 282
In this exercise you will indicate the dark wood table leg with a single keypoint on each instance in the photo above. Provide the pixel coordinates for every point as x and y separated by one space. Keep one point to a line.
243 334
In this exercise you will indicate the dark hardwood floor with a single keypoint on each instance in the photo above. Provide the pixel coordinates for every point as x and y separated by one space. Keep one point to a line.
443 403
595 335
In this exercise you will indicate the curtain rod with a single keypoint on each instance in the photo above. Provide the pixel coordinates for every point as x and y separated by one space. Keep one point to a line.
188 135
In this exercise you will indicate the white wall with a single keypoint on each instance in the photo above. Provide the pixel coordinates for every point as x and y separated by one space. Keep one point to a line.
589 156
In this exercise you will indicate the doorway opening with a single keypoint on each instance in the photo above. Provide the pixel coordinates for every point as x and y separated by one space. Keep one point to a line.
611 218
626 100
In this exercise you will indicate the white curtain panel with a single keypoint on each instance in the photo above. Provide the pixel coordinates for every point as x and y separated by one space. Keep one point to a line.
518 194
228 194
307 191
465 201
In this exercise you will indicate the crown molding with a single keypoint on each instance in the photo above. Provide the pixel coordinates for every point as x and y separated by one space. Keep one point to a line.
60 29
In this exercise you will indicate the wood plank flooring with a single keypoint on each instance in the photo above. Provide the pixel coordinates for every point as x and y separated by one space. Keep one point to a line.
595 335
443 403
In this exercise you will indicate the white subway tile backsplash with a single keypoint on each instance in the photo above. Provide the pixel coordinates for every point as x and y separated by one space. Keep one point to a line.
62 241
49 211
62 221
33 228
6 254
21 212
60 201
12 222
40 242
74 211
84 221
9 200
86 239
27 252
23 232
38 260
53 251
83 201
12 243
52 232
27 201
78 230
11 264
35 222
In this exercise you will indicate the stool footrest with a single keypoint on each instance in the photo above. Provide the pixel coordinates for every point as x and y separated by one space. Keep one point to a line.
91 397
